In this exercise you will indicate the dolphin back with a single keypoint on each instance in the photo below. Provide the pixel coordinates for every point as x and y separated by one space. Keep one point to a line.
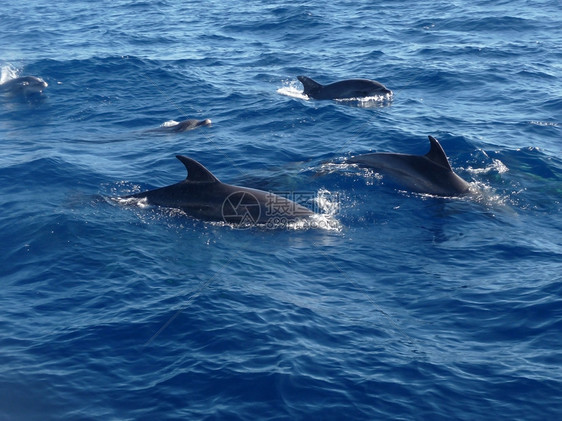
203 196
430 173
186 125
350 88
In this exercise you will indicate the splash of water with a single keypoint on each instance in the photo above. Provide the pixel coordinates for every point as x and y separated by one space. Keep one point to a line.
8 72
291 88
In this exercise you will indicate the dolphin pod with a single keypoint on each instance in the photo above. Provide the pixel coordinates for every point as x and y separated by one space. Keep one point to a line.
345 89
430 173
203 196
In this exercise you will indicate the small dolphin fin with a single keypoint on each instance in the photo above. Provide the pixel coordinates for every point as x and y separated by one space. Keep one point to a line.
437 155
310 86
196 172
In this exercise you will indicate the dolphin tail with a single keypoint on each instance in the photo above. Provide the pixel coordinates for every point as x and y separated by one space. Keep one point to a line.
310 86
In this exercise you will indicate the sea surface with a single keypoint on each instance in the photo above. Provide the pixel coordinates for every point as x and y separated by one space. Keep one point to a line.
404 306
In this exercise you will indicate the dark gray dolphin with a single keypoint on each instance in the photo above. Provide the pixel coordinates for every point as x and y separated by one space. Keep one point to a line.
203 196
25 85
182 126
351 88
430 173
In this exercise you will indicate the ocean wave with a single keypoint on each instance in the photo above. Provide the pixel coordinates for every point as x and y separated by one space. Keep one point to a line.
387 304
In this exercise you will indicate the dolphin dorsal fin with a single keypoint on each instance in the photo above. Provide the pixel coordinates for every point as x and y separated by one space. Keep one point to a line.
196 172
437 155
310 86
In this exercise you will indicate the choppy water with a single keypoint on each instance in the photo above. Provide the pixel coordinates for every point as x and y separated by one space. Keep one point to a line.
409 307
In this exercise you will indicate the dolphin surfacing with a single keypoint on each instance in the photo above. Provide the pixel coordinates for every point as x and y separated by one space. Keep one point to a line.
182 126
345 89
203 196
430 173
24 85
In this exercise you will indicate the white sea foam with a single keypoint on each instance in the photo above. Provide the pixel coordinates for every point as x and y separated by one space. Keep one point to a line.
368 101
8 72
496 166
321 222
291 88
328 203
141 203
544 123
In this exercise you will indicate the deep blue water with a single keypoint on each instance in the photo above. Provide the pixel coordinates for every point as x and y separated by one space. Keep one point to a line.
407 307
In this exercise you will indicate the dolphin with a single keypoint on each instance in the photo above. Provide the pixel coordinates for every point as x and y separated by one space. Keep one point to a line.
430 173
182 126
203 196
351 88
24 85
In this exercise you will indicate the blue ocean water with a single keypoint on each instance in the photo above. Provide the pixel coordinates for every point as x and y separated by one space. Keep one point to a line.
407 307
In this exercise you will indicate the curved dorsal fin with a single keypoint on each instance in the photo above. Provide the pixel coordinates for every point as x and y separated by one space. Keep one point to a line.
196 172
437 155
310 86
